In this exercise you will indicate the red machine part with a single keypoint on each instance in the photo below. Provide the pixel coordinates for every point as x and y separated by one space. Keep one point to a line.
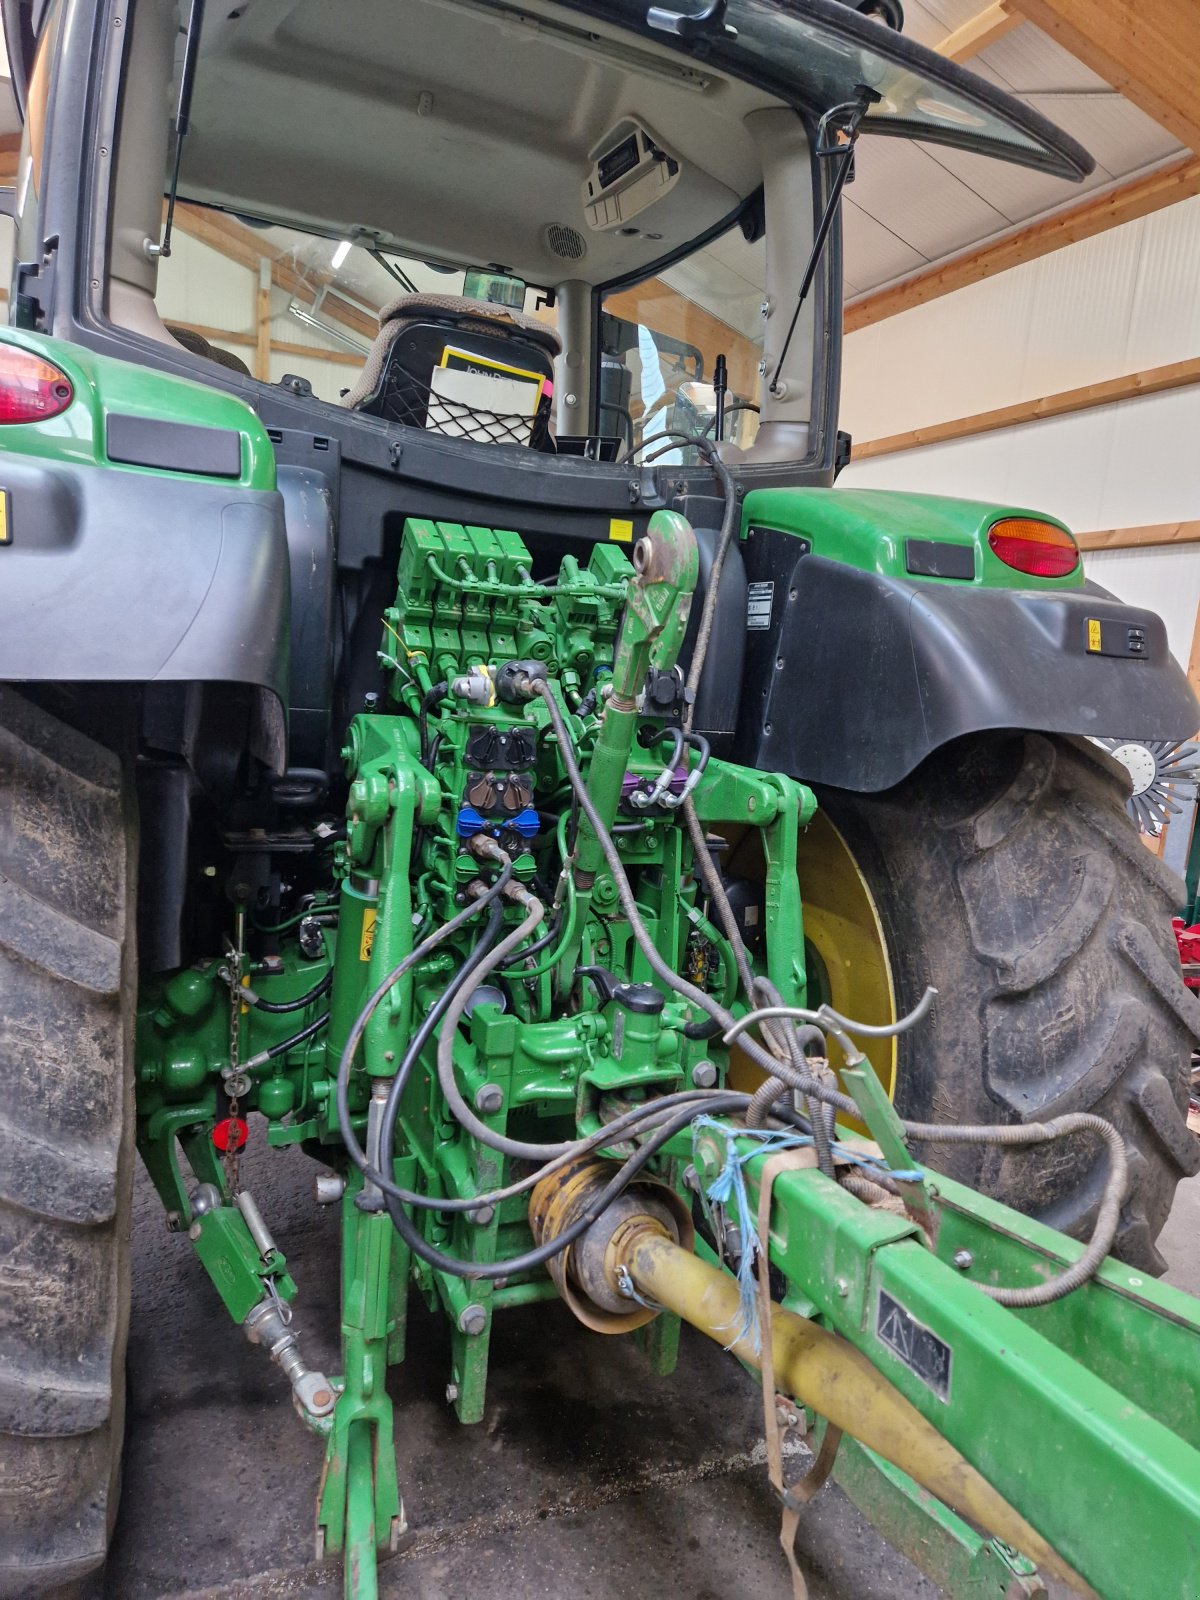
229 1133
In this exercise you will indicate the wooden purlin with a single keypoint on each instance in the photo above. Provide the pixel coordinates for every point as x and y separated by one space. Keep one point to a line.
1148 50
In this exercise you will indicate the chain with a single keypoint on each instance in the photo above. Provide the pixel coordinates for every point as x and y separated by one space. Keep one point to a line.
235 1083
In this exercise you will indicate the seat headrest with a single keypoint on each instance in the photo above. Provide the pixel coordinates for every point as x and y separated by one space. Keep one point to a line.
408 307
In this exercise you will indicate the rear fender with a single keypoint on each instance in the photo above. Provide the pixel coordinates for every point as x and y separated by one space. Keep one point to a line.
855 673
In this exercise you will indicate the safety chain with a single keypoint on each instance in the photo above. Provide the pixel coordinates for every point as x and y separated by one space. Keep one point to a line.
236 1081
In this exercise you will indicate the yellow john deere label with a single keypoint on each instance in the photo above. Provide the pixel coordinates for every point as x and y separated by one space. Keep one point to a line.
5 535
367 937
620 530
1093 633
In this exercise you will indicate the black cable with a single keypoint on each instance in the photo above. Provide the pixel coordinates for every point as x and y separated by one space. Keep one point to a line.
418 953
540 1254
546 939
274 1050
391 1110
278 1007
429 700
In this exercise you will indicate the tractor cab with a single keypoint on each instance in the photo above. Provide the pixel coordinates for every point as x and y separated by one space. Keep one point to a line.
655 190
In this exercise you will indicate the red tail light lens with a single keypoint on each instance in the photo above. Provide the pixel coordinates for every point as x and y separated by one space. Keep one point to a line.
1038 548
31 389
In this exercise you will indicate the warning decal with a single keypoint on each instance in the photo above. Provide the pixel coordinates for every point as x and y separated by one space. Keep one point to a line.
912 1342
760 600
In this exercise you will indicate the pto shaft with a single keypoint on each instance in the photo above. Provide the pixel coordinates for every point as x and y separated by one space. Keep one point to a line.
824 1372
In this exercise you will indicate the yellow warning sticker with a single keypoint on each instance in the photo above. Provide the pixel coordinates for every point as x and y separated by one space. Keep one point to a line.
5 535
1093 634
620 530
367 937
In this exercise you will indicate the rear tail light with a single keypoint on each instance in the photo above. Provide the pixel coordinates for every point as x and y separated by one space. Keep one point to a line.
31 389
1041 549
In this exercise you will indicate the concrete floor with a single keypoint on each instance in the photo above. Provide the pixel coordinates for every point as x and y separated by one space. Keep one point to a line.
588 1477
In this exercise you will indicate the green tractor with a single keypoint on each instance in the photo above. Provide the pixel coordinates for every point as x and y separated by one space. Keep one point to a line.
524 774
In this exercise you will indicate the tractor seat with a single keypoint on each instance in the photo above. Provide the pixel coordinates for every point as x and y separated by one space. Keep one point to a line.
463 368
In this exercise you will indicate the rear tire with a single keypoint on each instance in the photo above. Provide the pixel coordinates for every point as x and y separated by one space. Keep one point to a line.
1006 873
67 881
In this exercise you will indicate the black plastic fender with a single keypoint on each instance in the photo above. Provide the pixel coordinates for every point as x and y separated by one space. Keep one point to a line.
856 678
132 577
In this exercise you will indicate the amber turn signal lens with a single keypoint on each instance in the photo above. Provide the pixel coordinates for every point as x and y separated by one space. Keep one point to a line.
1042 549
31 389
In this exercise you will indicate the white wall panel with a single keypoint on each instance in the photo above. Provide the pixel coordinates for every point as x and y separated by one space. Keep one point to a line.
1162 579
1117 466
199 284
1120 302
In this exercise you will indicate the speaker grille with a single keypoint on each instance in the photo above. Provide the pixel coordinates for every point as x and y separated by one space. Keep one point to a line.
565 242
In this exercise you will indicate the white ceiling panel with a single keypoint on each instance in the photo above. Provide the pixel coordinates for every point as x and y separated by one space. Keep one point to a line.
1015 192
922 202
1120 136
1028 60
922 23
872 253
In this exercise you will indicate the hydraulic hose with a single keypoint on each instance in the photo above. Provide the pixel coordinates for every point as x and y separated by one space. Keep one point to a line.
537 1257
278 1007
418 953
429 701
1010 1135
285 1045
463 1114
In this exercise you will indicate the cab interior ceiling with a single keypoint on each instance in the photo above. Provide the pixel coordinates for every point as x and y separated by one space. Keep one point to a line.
459 132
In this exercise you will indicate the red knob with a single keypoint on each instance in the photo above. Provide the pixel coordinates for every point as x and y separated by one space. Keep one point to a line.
229 1133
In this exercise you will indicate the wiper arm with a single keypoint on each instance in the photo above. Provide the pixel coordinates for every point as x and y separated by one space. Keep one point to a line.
837 133
393 271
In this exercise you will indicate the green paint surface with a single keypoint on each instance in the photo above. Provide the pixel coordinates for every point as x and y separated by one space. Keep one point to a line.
867 529
104 386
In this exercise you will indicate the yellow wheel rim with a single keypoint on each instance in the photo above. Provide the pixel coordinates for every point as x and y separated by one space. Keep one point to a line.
842 927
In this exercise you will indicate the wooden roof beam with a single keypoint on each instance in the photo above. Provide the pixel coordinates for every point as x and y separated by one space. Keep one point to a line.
979 31
1138 198
1149 50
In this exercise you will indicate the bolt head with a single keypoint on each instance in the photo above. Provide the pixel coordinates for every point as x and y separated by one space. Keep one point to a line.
489 1099
963 1259
842 1286
704 1075
451 1393
482 1216
472 1320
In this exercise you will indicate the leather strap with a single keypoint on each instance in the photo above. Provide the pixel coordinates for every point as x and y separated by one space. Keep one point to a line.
797 1497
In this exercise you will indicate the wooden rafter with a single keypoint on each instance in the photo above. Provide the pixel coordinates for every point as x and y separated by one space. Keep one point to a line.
1156 533
1154 380
1128 201
979 31
1149 50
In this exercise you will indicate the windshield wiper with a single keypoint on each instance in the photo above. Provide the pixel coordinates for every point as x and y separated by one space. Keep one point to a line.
836 135
392 270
